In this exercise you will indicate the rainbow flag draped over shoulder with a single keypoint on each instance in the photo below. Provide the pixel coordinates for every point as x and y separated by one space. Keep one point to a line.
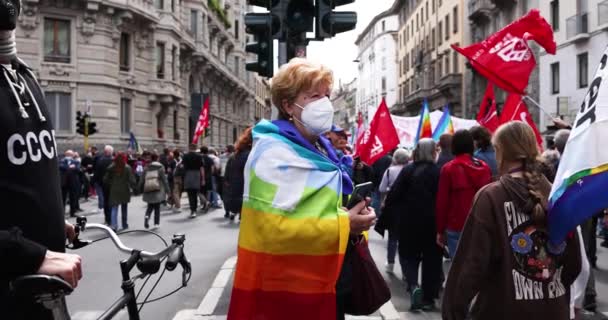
444 125
293 231
581 182
425 129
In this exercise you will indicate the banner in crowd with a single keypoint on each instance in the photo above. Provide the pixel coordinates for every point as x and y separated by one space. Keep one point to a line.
380 138
407 127
133 144
425 129
515 109
203 121
579 190
444 125
487 115
505 58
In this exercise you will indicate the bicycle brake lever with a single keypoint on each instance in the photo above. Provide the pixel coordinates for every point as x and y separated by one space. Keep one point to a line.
77 244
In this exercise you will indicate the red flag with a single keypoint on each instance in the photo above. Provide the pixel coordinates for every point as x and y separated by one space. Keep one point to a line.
504 58
380 138
203 121
487 115
515 109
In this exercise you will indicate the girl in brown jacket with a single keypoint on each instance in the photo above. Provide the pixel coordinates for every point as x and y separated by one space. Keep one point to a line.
504 256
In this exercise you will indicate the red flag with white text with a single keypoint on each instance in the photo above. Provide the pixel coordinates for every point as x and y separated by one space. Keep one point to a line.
487 115
515 109
203 121
505 58
380 138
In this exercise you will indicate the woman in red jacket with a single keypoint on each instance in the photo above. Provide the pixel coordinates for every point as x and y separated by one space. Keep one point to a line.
459 181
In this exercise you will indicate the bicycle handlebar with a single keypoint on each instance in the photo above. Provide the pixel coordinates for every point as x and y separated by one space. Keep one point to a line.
122 247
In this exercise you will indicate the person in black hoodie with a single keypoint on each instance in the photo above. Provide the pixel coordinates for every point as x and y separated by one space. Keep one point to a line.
102 163
411 205
32 226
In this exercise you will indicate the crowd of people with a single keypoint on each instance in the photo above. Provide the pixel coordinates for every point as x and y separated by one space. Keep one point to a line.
206 175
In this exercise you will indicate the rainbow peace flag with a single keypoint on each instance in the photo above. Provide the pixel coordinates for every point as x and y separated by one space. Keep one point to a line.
293 231
425 129
444 125
579 190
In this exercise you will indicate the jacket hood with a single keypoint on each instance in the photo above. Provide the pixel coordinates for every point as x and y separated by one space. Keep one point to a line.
517 189
476 169
155 165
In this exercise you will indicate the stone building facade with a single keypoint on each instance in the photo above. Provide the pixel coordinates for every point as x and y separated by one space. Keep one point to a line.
581 33
136 66
377 64
428 67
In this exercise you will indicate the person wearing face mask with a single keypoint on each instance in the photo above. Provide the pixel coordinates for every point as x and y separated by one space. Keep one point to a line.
294 232
32 226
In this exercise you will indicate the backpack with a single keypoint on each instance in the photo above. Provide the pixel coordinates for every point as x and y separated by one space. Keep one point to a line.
151 183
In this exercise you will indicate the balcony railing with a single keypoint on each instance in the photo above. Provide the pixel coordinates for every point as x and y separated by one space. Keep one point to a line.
602 13
479 9
577 25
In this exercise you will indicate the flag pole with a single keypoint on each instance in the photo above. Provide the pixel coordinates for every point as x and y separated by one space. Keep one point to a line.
539 107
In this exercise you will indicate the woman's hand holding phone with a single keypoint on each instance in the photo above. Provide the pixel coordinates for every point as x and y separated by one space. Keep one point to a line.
361 217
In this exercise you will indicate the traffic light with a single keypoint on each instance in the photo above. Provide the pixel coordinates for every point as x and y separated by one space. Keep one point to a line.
263 26
80 125
299 16
329 22
92 128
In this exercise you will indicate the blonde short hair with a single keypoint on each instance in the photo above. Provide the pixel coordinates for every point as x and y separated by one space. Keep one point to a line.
295 77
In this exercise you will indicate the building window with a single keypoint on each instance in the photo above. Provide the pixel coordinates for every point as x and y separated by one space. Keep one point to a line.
417 21
125 52
427 10
447 64
555 14
447 27
175 125
383 25
439 34
583 70
194 23
236 66
59 105
160 60
159 4
555 77
125 116
383 85
455 19
439 69
173 63
432 38
455 64
383 63
172 5
433 6
56 40
236 29
422 15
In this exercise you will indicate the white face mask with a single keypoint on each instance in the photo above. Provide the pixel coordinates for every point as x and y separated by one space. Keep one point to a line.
317 116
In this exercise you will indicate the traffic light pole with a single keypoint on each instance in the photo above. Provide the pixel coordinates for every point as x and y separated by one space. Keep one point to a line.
86 134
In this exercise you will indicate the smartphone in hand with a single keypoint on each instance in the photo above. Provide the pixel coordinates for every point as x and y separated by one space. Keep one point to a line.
360 192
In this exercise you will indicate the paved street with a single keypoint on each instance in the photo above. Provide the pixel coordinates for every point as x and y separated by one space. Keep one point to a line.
210 240
211 246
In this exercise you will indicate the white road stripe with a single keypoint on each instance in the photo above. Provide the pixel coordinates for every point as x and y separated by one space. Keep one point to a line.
388 312
212 298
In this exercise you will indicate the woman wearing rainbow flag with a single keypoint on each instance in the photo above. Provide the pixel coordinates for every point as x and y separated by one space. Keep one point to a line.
294 232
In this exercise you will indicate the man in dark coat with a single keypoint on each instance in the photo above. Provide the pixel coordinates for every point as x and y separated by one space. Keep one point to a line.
102 162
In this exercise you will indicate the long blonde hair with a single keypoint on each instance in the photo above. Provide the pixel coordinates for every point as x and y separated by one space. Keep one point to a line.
515 142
